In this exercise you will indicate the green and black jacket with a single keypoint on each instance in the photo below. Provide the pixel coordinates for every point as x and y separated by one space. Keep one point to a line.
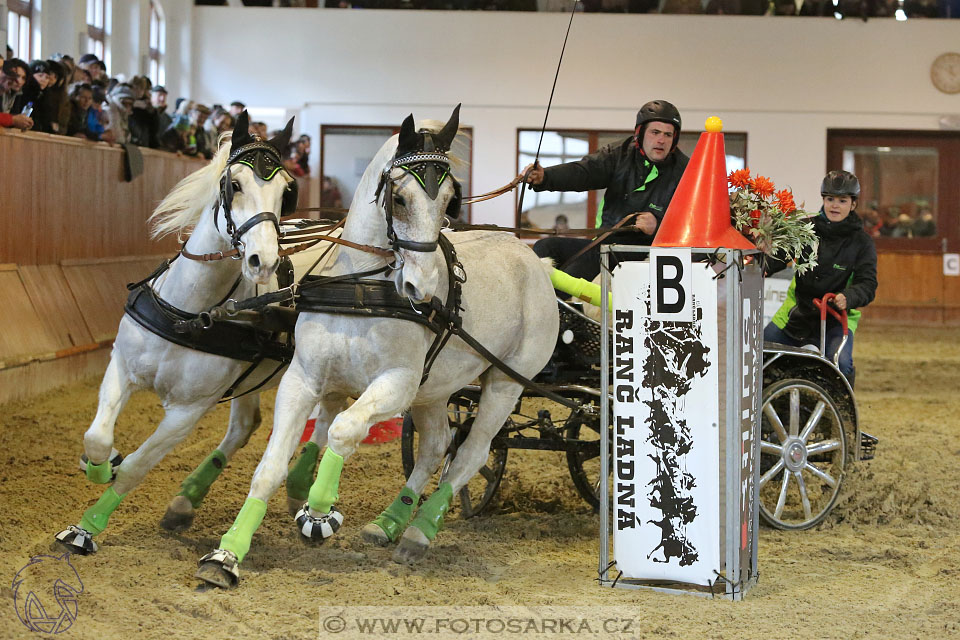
846 263
633 183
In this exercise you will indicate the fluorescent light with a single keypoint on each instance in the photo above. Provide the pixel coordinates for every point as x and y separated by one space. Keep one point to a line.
900 15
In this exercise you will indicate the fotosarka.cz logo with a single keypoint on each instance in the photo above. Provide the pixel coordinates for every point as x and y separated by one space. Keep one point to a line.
45 593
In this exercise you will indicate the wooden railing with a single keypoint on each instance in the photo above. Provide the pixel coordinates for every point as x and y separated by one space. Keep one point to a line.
73 232
65 198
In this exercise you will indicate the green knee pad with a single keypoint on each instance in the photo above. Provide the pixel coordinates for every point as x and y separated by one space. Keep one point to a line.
429 518
238 538
195 486
395 517
324 492
300 476
99 473
95 518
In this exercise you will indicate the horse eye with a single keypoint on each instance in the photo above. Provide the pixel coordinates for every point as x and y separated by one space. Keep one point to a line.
236 186
399 201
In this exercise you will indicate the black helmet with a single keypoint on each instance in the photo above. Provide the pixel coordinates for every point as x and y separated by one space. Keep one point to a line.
840 183
659 111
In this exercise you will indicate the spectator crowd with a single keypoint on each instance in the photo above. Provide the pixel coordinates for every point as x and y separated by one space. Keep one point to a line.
78 98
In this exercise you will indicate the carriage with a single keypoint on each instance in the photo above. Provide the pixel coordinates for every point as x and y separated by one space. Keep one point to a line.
810 430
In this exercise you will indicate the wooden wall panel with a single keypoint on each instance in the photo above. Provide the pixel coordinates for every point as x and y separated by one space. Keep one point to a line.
54 303
65 198
32 379
99 288
915 278
23 333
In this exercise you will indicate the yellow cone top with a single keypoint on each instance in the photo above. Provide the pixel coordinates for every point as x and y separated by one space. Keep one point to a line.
714 124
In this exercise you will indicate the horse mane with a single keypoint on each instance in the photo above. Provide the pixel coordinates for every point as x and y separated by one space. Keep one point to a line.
181 208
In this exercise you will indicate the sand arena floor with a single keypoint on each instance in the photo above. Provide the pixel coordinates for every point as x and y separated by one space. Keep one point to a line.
885 564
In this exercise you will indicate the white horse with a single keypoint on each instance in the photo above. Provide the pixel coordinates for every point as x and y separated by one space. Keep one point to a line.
508 306
233 202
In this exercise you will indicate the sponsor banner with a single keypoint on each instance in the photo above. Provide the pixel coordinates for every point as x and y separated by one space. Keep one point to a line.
666 424
751 366
774 295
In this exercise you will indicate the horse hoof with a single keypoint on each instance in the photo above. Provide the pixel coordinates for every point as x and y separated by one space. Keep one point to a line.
115 460
179 515
317 529
293 505
373 534
219 568
77 540
413 546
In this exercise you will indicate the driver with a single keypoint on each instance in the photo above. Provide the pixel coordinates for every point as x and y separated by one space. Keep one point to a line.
640 175
846 266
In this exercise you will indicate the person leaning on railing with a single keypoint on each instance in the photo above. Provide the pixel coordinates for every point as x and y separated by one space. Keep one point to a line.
15 72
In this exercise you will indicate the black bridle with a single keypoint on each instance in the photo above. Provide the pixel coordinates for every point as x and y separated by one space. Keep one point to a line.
265 162
430 167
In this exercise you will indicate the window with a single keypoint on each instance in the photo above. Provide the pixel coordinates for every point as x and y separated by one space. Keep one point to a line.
19 13
907 200
348 149
96 27
158 37
559 146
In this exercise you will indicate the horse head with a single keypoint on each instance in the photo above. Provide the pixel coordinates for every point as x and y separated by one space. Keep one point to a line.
255 191
419 191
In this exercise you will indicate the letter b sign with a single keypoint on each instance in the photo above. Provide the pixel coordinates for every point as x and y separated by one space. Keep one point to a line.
671 288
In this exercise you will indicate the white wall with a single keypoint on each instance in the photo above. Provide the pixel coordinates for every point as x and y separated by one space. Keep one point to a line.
784 81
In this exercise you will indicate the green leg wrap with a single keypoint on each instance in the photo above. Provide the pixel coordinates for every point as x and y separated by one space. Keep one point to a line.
237 539
300 476
99 473
95 518
323 493
397 515
430 517
196 485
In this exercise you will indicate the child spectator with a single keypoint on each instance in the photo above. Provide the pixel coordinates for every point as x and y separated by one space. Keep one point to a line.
81 106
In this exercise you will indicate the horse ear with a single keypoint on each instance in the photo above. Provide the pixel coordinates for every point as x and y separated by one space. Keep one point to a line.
282 139
241 132
449 131
408 136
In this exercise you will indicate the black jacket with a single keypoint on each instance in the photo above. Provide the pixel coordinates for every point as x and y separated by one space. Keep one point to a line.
846 263
621 169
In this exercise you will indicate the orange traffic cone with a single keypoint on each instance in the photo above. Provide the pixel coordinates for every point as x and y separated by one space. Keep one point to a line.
699 213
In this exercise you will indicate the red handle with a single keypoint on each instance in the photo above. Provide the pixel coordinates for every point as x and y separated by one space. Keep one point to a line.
825 307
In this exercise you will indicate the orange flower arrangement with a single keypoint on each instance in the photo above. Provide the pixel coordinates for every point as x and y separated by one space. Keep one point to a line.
739 179
771 220
761 186
784 201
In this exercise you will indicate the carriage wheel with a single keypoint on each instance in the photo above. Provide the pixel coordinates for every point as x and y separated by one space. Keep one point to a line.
584 464
478 493
803 450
